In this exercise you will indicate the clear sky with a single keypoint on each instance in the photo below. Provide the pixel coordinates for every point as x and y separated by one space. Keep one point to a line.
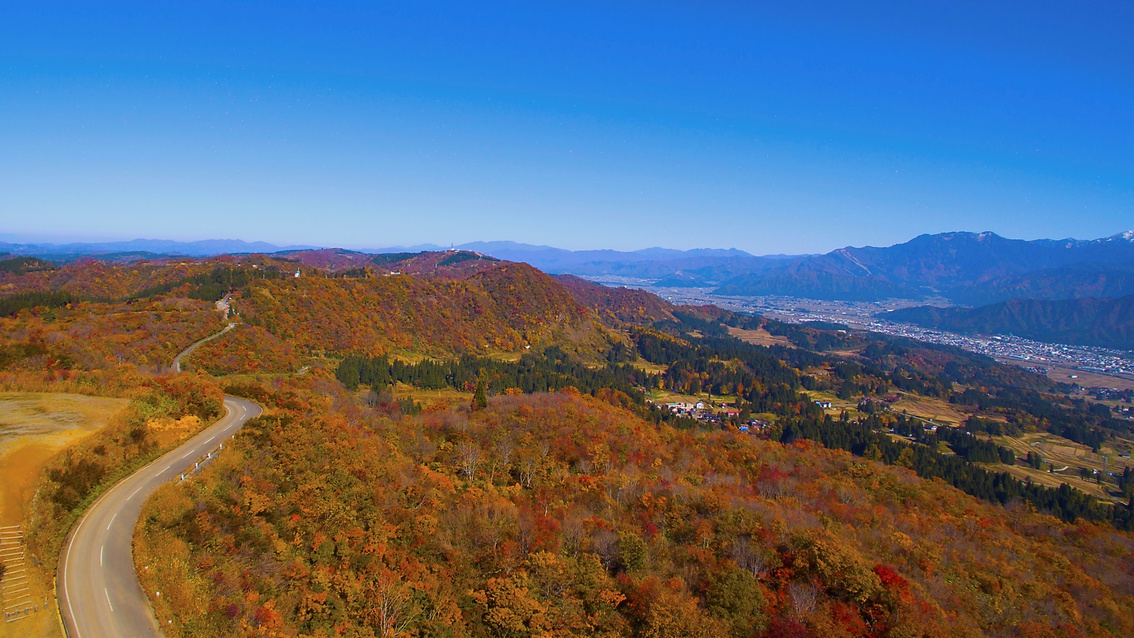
575 124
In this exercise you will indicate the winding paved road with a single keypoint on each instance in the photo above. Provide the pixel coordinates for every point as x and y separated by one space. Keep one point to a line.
99 594
184 353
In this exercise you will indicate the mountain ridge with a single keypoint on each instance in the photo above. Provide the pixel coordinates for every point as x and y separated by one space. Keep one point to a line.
959 266
1107 323
965 267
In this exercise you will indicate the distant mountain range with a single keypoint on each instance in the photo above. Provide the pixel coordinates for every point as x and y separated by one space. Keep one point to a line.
699 267
143 248
661 266
1087 322
965 268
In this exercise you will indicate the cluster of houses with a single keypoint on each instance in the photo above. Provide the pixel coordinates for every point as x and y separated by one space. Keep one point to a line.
1108 394
755 425
719 414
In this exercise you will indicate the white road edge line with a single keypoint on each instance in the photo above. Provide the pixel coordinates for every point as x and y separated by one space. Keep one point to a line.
67 560
71 542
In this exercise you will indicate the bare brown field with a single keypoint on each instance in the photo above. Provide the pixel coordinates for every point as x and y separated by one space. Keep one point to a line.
930 408
1090 379
1060 451
898 438
33 428
759 337
1048 479
1085 379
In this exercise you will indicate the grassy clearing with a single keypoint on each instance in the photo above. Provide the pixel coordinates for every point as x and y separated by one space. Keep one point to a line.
897 438
1060 451
1043 477
411 357
33 428
760 337
837 405
407 356
930 408
442 398
1085 379
646 366
665 396
508 356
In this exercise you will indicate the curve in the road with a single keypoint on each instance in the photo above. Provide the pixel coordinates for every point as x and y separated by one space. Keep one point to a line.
184 353
98 590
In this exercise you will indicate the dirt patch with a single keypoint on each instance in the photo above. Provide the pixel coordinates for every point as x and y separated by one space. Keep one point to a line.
29 414
33 428
760 337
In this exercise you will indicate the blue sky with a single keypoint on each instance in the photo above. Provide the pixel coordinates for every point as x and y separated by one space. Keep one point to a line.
580 125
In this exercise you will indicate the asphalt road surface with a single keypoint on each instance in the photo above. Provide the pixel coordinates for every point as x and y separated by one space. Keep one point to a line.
184 353
99 594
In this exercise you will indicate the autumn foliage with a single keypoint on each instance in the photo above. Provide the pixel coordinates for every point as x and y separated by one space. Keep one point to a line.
503 308
557 514
343 511
162 411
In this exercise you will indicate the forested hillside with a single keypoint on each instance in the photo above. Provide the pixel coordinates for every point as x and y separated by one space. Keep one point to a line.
1088 322
623 305
505 308
834 483
444 304
555 514
95 280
